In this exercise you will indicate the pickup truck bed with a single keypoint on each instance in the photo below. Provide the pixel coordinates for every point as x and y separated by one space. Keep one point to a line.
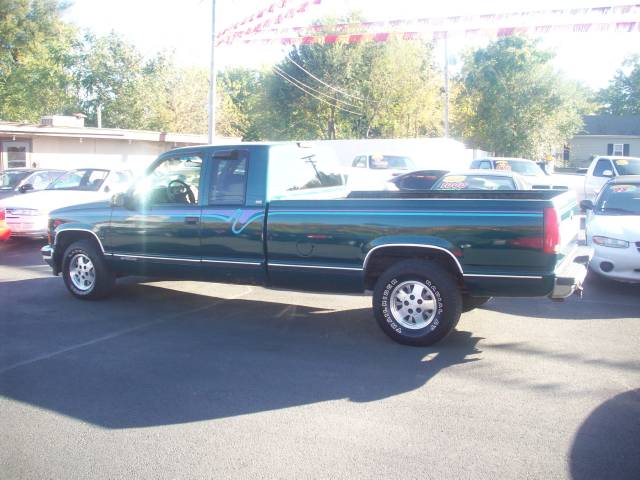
425 255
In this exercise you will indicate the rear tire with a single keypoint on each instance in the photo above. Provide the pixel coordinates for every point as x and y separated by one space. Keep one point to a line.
417 302
85 272
470 303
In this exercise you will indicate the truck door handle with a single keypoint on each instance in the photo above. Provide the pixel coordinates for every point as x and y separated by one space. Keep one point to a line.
192 220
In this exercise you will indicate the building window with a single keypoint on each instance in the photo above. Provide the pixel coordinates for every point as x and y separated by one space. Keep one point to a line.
618 149
15 154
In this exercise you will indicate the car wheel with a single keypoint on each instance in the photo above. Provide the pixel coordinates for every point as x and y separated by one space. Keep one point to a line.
470 303
417 302
85 272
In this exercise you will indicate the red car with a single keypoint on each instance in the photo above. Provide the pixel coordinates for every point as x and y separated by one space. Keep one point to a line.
5 232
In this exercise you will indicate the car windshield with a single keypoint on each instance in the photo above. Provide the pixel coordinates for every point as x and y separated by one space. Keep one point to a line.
474 182
523 167
9 180
628 166
620 198
388 162
89 179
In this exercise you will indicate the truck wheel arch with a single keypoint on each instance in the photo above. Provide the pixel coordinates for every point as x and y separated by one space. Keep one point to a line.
66 237
381 257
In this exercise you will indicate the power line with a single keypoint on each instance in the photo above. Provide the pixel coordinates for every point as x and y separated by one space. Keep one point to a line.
299 82
288 57
314 96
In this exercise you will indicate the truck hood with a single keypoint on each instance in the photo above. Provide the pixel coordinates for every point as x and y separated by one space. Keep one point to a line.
48 200
622 227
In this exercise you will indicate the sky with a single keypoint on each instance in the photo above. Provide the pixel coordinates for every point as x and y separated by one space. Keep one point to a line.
184 27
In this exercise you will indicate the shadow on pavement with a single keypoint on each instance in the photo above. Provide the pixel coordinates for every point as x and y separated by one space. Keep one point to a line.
204 357
607 445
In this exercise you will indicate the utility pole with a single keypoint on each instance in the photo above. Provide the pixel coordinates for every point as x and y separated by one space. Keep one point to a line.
212 76
446 85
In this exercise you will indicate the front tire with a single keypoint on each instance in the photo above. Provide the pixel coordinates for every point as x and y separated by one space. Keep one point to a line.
85 273
417 302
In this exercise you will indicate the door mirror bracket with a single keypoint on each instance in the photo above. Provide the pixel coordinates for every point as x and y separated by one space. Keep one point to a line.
123 200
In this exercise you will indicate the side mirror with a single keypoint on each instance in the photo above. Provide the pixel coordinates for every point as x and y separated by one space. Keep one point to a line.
607 173
122 200
27 187
107 189
586 205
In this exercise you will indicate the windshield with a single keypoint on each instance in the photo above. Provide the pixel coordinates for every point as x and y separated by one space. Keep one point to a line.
628 166
89 179
9 180
523 167
387 162
474 182
620 198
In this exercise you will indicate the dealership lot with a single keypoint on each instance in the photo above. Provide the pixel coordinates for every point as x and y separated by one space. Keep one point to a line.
195 380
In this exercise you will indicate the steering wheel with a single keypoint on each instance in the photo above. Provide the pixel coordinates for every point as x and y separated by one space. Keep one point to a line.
177 190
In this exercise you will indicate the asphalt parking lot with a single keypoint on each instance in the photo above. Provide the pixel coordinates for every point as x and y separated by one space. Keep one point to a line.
195 380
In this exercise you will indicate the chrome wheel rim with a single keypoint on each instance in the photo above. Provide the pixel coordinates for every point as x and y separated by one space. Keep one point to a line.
413 304
81 272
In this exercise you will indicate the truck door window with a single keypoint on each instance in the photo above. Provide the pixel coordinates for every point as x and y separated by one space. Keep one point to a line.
602 165
175 180
228 178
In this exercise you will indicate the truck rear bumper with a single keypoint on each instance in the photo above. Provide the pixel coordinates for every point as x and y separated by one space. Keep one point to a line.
571 273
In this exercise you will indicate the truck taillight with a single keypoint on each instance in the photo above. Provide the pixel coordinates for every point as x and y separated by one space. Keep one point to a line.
2 214
551 230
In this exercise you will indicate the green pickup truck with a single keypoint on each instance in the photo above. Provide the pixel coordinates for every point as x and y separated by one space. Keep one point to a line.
279 215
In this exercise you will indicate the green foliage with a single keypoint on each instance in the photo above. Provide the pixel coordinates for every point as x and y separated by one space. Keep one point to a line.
622 95
511 102
36 54
360 91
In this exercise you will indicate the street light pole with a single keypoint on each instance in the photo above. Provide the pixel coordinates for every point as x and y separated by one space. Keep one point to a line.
212 76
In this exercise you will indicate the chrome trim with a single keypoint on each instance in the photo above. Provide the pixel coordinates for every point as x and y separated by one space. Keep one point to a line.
432 247
320 267
233 262
532 277
55 238
151 257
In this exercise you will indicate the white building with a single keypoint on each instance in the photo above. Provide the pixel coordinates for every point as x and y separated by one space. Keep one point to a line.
64 142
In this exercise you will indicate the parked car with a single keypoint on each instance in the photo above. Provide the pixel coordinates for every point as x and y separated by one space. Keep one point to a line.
372 172
602 169
481 180
418 180
26 215
530 170
23 180
613 229
258 214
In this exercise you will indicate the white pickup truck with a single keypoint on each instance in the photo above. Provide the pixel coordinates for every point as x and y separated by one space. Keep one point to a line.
604 168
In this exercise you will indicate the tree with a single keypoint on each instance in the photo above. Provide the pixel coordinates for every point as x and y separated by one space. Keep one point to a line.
110 76
360 90
622 96
36 54
511 102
